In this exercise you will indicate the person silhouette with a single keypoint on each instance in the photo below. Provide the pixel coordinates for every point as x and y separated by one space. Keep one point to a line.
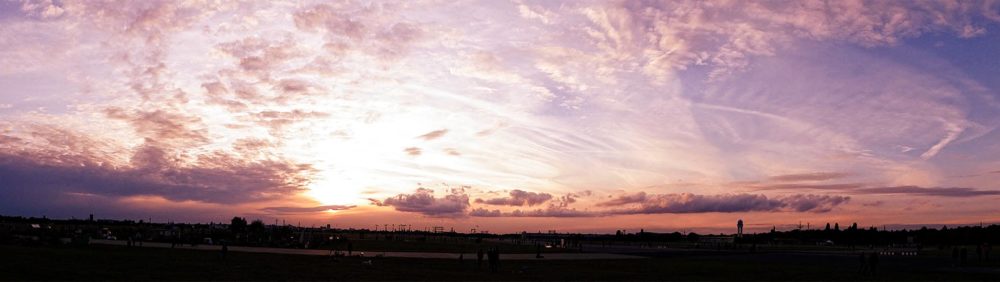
479 259
225 249
538 251
350 248
739 228
491 259
987 250
496 253
954 256
494 259
864 265
964 256
873 263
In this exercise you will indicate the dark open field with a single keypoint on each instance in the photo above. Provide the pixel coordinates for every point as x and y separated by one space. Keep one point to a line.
121 263
448 245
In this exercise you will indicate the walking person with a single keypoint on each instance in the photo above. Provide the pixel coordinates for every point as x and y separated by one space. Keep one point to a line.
987 250
492 262
964 256
873 264
494 256
225 249
479 259
863 269
954 256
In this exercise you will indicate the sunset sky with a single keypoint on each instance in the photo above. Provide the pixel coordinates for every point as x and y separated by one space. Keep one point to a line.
586 116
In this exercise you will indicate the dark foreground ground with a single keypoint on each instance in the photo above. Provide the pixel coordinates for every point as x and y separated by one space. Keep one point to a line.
121 263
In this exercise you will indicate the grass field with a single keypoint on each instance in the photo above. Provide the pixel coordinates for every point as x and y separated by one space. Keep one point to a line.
121 263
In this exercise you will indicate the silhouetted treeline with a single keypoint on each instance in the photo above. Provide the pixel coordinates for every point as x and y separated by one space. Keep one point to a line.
850 236
240 231
963 235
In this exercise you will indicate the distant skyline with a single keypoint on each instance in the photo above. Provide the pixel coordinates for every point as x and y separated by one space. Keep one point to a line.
507 115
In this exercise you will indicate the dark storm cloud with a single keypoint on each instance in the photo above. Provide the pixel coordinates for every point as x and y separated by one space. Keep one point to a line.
518 198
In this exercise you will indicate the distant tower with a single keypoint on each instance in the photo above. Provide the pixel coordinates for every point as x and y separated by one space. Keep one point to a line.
739 228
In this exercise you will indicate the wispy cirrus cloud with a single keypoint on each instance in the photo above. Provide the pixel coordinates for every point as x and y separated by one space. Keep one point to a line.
412 151
300 210
807 186
815 176
433 134
861 189
193 101
929 191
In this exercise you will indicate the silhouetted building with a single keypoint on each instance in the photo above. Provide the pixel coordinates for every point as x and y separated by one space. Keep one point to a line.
739 228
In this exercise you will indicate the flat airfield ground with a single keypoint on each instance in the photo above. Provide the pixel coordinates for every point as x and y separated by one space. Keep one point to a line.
101 262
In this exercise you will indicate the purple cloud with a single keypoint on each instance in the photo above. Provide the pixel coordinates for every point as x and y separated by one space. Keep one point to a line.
218 179
551 211
693 203
624 200
423 201
518 198
643 203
